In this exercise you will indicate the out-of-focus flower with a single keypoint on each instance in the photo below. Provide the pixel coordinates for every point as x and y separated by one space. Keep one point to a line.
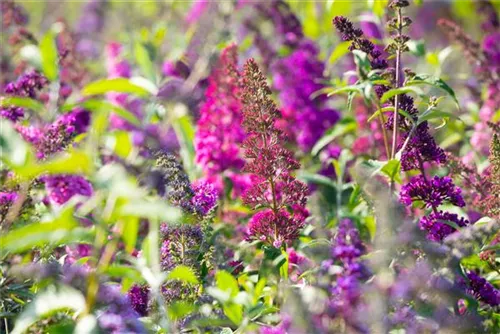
170 180
90 24
219 132
6 200
26 85
76 252
61 188
12 14
297 77
58 135
139 298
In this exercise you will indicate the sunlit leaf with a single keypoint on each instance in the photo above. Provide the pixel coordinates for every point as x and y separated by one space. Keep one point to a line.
24 102
47 302
184 274
62 229
340 51
117 85
424 79
341 128
48 52
226 282
398 91
144 61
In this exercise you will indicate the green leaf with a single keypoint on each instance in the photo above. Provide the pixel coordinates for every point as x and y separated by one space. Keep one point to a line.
130 231
156 209
226 282
15 151
378 112
121 143
340 51
24 102
118 85
433 113
393 170
234 312
48 51
417 48
284 266
143 58
61 230
424 79
316 179
347 89
184 130
184 274
71 162
97 105
121 271
342 127
48 302
178 310
398 91
362 61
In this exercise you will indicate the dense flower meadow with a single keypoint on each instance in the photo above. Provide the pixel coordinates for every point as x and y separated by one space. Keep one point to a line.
243 166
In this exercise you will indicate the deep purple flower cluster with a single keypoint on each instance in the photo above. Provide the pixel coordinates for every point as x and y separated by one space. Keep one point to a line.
437 227
139 298
421 148
26 85
61 188
56 136
297 77
482 289
432 193
359 42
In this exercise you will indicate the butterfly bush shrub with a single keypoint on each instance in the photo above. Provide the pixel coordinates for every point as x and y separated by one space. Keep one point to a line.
249 167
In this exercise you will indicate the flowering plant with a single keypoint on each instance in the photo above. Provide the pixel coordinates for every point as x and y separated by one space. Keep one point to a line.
192 167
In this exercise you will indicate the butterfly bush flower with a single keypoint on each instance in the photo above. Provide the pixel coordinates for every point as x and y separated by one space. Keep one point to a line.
281 196
205 198
118 67
482 289
58 135
139 299
432 192
27 85
297 77
345 301
91 23
61 188
437 227
219 132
